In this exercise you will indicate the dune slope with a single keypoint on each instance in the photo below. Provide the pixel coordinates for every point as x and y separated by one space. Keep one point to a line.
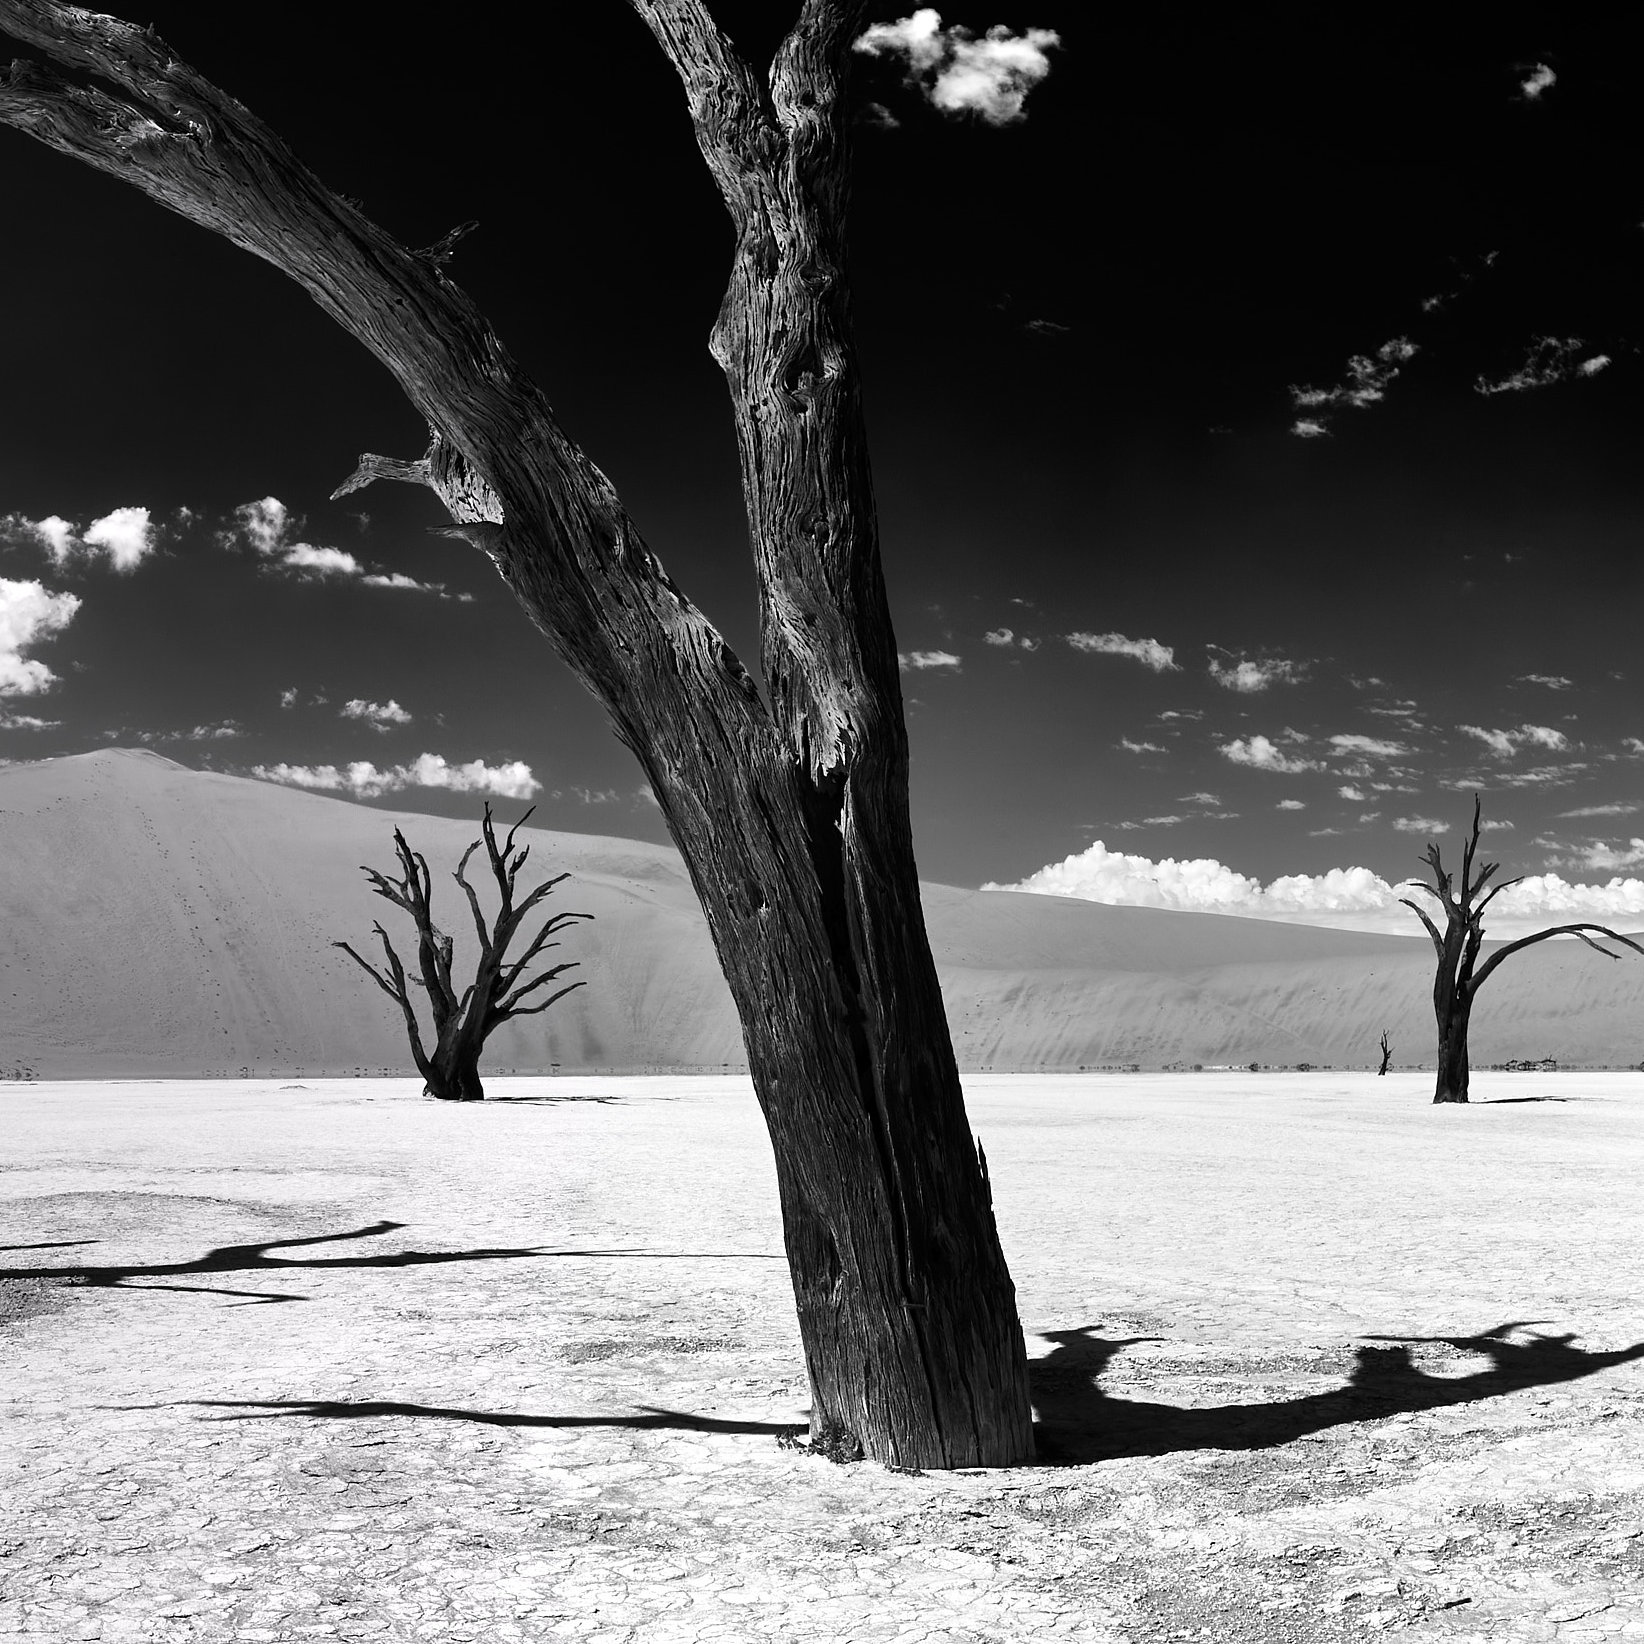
164 921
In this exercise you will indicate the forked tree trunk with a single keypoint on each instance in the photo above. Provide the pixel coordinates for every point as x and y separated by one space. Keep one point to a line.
455 1076
791 813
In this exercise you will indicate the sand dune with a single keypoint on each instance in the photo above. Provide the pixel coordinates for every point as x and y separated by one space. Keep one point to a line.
164 921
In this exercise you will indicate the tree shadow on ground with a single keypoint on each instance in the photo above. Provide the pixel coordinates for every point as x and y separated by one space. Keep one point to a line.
1078 1422
653 1416
1508 1101
255 1258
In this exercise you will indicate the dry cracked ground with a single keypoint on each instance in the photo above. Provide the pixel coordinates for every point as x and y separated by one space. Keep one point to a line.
1315 1361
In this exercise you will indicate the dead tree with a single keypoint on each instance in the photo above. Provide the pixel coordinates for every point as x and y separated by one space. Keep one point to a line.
1386 1054
791 808
1459 975
462 1025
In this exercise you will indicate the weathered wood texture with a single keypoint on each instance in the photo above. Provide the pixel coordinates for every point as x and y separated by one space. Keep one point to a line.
500 987
1459 975
792 815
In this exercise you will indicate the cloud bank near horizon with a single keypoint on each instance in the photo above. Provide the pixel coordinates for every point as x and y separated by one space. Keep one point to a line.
364 780
1341 898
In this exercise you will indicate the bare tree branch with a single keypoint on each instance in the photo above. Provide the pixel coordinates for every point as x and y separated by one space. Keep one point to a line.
1432 929
1576 930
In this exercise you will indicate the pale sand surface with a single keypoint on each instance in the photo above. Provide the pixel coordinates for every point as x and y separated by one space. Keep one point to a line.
546 1404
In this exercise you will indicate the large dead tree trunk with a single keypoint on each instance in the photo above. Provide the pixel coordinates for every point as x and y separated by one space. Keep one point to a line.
1459 975
791 817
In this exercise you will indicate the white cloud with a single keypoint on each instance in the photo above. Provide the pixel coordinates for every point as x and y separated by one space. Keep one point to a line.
1149 652
1138 747
1292 805
927 659
126 536
29 613
365 781
1548 360
1633 744
1341 898
1601 810
288 697
1347 791
378 715
1201 798
1264 755
26 722
1250 675
1540 79
999 636
1506 743
1419 824
1370 747
960 74
1553 682
269 527
1366 383
221 731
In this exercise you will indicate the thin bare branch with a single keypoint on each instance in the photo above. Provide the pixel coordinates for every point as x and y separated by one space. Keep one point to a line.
372 467
1511 948
553 999
1432 929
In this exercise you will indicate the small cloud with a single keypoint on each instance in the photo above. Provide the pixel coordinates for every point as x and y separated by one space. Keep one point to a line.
644 796
960 74
380 716
1046 328
1601 810
999 636
1419 824
1138 747
1292 805
1601 857
1250 675
288 697
1366 383
1367 747
1149 652
876 117
1162 821
26 722
917 660
268 527
365 781
29 613
1261 754
1553 682
124 537
598 796
222 731
1547 361
1201 799
1506 743
1633 744
1348 791
1537 82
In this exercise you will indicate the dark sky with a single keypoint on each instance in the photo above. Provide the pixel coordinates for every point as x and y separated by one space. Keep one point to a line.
1080 335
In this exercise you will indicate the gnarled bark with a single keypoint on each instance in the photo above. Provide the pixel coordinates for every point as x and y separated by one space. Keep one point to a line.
1459 975
792 818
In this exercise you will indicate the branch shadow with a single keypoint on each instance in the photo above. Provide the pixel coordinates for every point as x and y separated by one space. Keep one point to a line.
1508 1101
364 1409
255 1258
1078 1423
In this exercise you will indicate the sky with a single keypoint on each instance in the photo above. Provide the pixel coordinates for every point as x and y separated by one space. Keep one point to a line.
1254 402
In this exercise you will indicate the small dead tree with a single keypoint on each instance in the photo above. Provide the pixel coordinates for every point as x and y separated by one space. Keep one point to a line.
1386 1054
462 1025
1459 975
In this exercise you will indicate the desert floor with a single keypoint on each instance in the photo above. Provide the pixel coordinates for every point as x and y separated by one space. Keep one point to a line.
327 1360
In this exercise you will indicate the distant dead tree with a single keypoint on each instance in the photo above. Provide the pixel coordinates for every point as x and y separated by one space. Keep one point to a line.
1457 981
1386 1053
462 1025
